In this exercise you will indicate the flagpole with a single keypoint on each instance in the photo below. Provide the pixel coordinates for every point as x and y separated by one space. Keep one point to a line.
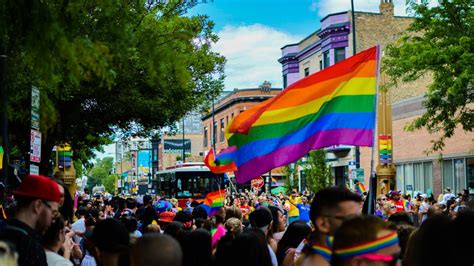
372 188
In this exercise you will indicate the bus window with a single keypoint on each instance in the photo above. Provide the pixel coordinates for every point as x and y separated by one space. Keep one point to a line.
185 189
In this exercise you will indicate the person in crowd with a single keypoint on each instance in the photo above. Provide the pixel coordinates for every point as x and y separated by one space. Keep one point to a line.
251 242
233 228
176 230
152 228
185 218
37 204
400 218
197 249
54 240
155 249
79 227
447 195
404 232
293 212
397 201
233 212
278 227
149 216
262 218
365 240
111 242
303 209
389 209
424 207
294 235
329 208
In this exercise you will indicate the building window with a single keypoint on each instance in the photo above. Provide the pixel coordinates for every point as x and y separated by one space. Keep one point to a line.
285 80
326 59
321 64
306 72
413 177
205 137
339 54
456 172
221 139
227 120
232 115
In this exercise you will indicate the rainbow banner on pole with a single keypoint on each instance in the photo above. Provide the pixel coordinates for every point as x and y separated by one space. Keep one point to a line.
333 106
215 200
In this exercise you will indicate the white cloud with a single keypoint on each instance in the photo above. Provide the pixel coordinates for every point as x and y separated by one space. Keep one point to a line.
326 7
252 52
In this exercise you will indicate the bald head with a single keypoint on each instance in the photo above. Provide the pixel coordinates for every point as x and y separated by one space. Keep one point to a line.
156 249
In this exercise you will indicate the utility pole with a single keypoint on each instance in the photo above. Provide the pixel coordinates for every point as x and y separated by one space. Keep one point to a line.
214 133
354 51
184 153
3 108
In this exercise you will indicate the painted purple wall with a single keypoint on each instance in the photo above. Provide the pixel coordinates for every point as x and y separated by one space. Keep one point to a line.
334 20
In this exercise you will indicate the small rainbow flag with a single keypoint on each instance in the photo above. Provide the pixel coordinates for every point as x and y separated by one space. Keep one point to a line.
215 200
406 203
331 107
360 188
274 181
223 163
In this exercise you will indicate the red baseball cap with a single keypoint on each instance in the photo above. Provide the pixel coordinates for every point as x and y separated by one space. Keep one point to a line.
39 187
166 217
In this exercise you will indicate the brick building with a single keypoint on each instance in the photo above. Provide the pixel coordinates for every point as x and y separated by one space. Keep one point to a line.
415 171
227 107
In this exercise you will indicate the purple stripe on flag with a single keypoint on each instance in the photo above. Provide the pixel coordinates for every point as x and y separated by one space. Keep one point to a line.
285 155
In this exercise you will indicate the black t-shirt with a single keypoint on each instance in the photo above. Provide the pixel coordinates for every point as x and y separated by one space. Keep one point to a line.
27 242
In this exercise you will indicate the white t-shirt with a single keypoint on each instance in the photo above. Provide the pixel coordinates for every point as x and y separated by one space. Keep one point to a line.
57 260
79 226
424 210
88 261
447 197
273 256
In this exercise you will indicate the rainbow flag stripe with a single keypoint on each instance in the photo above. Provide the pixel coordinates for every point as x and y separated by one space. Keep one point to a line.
215 200
360 188
223 163
333 106
368 247
323 251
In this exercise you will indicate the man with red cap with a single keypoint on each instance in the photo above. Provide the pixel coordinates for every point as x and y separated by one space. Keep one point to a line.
37 199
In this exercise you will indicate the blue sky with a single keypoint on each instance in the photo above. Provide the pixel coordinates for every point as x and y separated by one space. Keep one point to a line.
253 31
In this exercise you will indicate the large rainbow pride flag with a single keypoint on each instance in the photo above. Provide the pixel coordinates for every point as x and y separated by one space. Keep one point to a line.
330 107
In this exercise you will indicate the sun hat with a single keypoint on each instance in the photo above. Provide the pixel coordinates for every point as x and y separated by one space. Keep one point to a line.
39 187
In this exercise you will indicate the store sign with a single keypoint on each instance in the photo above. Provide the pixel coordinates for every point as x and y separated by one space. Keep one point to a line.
34 169
257 183
35 108
35 146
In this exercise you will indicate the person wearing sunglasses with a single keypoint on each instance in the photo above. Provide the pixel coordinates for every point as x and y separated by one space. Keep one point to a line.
366 240
329 208
37 199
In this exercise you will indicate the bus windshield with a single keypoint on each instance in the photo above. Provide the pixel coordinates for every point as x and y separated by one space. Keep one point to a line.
188 183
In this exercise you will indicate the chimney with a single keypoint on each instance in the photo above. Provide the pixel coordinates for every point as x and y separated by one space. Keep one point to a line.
386 7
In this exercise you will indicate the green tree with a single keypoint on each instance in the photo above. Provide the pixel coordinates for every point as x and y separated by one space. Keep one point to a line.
318 173
105 69
440 42
100 172
291 177
109 183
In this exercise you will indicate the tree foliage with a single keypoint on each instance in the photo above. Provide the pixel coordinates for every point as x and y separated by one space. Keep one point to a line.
291 177
105 69
100 172
318 173
440 42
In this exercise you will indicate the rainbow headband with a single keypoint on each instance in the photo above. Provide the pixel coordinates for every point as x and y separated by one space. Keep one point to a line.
367 247
324 251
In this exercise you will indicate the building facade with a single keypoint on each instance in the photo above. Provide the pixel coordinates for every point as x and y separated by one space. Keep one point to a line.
416 171
229 105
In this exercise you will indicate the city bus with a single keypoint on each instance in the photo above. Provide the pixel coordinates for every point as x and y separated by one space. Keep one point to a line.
188 181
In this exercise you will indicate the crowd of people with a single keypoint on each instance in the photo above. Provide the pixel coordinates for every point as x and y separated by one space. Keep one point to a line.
46 226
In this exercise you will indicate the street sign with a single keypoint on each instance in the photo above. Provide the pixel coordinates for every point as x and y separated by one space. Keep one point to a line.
34 169
257 183
35 146
35 108
359 174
